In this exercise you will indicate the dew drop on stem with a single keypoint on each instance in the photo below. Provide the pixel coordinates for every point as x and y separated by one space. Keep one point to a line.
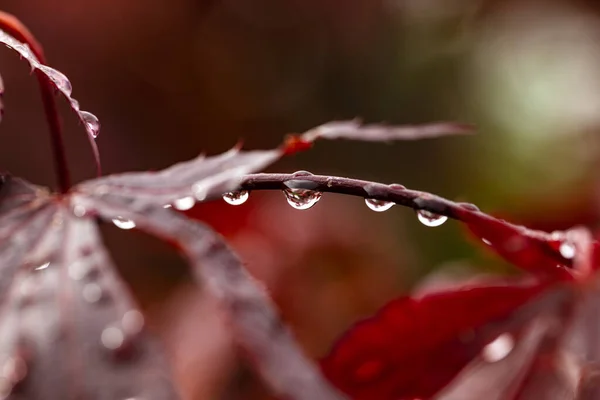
92 124
236 198
379 205
430 219
302 199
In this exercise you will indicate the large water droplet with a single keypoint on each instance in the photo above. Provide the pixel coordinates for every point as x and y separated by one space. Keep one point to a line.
430 219
236 198
132 322
123 223
185 203
379 205
59 79
498 349
112 338
92 292
302 199
567 250
92 124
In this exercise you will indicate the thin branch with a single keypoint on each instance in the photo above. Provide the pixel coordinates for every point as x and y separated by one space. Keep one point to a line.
15 28
503 235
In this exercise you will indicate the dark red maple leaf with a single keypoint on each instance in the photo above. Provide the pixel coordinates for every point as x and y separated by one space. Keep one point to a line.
535 340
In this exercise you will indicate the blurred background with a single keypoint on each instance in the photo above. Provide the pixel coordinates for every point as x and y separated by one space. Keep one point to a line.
169 79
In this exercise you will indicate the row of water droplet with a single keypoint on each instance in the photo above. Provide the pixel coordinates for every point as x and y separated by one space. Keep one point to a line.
62 83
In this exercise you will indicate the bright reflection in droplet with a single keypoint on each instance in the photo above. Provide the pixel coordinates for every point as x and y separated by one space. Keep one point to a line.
123 223
112 338
567 250
379 205
184 203
430 219
236 198
484 240
498 349
302 199
43 266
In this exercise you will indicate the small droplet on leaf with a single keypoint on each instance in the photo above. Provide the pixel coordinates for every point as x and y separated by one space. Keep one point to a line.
112 338
236 198
123 223
79 211
302 199
499 348
92 292
430 219
484 240
567 250
184 203
92 124
379 205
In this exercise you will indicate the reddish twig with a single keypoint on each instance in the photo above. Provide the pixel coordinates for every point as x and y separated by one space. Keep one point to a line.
509 240
15 28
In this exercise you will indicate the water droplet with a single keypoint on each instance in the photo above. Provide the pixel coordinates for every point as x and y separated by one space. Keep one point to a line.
430 219
469 206
79 210
302 199
167 206
61 81
498 349
236 198
112 338
484 240
132 322
302 173
397 186
567 250
185 203
92 124
92 293
379 205
123 223
42 267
